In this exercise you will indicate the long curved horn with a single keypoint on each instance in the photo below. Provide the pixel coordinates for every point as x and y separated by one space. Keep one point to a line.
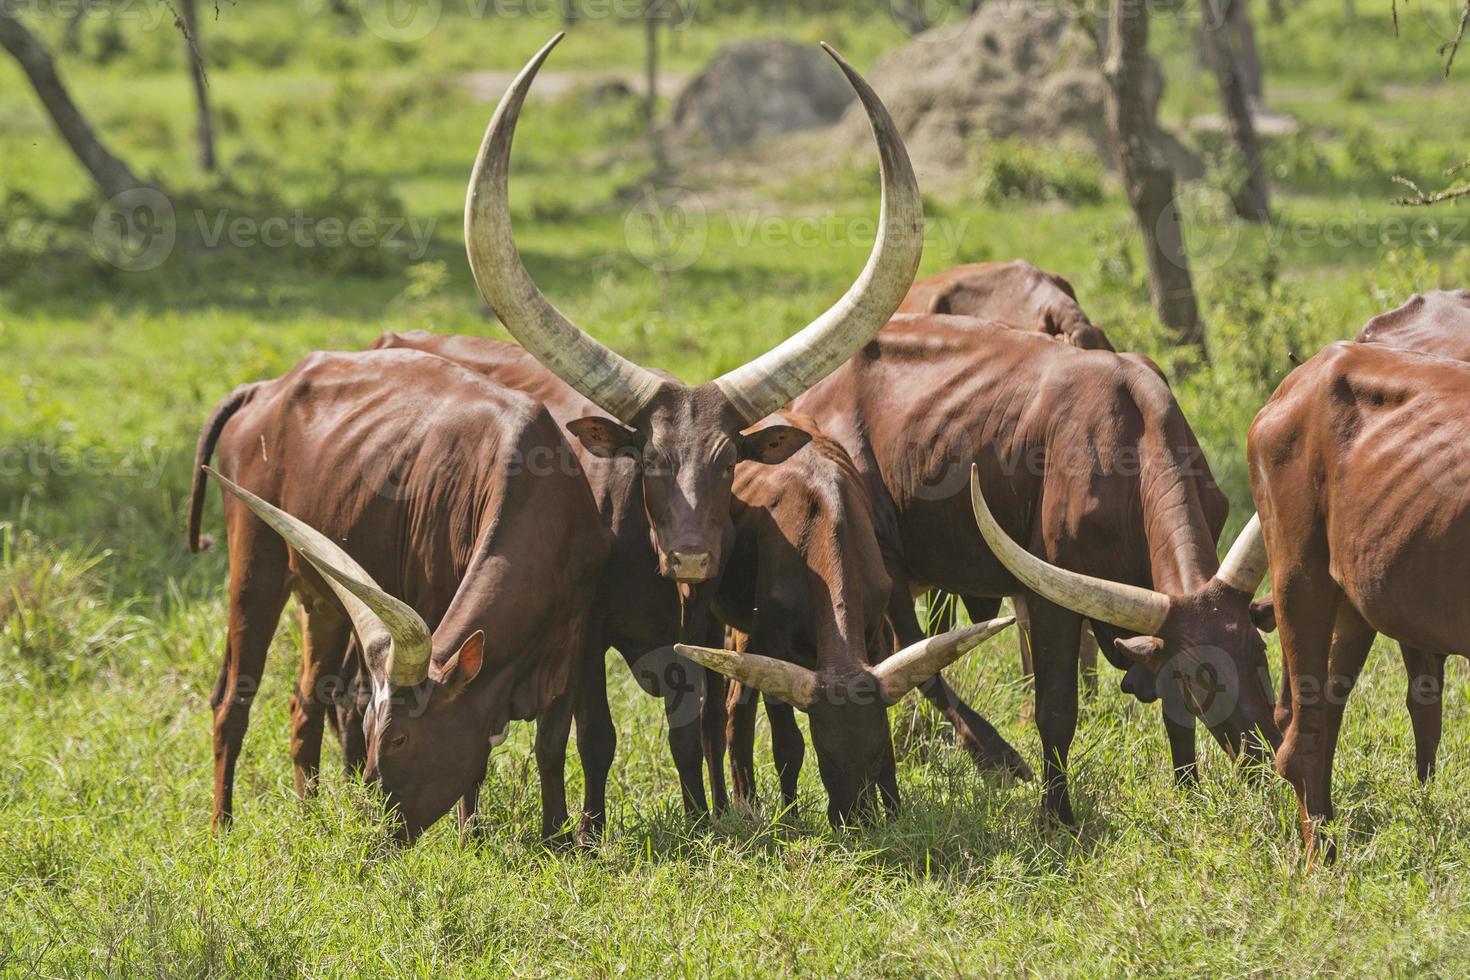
1140 610
795 685
376 616
1245 565
773 379
913 665
603 376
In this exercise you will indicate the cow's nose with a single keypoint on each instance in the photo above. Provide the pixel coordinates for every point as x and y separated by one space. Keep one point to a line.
689 566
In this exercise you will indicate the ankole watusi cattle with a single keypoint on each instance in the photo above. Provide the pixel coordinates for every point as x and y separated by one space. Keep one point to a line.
395 493
1360 470
1020 295
686 439
1086 458
806 585
1014 292
637 611
1437 322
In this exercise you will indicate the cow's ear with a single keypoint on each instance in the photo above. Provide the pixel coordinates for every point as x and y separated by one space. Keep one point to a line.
462 668
1263 614
604 438
1146 650
773 444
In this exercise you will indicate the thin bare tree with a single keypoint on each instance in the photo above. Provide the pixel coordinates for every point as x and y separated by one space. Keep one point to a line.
1146 174
109 173
1222 34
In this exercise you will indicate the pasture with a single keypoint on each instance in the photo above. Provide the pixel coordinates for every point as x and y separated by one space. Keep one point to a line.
111 632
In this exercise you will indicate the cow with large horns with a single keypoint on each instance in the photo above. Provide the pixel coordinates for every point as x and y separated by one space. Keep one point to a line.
687 439
415 504
1021 295
1436 322
1087 458
1359 470
807 587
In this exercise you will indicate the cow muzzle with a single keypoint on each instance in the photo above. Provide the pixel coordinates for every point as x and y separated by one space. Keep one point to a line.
690 566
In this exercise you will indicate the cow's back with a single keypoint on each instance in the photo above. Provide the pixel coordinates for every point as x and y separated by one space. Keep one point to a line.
1436 322
1362 458
932 394
1016 293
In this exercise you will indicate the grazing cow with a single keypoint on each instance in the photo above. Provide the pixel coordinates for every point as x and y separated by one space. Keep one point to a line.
394 492
1018 294
637 611
1437 322
807 586
1015 292
1089 461
1359 470
686 440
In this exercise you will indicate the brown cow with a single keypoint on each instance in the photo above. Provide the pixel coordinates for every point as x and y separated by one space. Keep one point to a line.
1087 458
637 612
1359 470
806 584
1014 292
1018 294
1437 322
687 439
464 512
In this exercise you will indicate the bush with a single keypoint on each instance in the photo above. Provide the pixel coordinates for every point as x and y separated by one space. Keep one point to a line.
1013 169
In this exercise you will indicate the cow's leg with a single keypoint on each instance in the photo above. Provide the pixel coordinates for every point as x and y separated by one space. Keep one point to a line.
976 736
684 689
1023 634
741 705
1181 735
712 737
597 739
788 748
1054 635
1307 603
553 728
469 806
325 635
258 589
1087 658
1426 706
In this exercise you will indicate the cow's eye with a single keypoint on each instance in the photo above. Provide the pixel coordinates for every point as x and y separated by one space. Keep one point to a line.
398 741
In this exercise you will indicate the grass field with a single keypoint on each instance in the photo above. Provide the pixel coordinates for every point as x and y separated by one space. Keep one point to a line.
110 632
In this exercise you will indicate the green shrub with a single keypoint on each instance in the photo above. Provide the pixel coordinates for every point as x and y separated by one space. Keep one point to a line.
1012 169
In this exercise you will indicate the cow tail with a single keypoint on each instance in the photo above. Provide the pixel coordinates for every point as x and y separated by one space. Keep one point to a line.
213 426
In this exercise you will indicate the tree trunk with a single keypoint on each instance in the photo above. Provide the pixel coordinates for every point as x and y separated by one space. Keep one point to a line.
650 64
195 53
1147 177
1248 56
111 175
1251 198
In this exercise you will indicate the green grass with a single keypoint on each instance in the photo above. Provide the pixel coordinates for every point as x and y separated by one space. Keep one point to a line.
110 632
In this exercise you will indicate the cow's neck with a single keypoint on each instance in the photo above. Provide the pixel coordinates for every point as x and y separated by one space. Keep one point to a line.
1181 549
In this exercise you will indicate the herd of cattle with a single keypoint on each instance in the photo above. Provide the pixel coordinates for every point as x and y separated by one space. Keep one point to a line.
459 563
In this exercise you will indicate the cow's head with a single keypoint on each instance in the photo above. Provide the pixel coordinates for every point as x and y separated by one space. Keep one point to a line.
687 439
1204 644
847 706
427 744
